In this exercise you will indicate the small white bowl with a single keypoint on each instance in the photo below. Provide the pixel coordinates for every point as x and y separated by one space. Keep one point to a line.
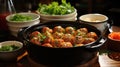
16 25
11 55
33 15
95 19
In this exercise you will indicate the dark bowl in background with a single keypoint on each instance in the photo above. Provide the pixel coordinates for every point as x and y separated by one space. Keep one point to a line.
11 56
113 45
61 56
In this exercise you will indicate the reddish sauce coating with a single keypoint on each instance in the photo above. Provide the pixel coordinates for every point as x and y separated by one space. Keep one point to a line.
60 37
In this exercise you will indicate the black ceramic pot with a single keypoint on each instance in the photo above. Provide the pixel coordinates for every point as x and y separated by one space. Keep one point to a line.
61 56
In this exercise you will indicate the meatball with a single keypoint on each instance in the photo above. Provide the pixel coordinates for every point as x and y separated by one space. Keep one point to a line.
85 30
35 34
92 35
48 39
44 29
47 45
57 35
88 40
35 40
68 38
70 30
79 40
77 45
57 42
36 37
65 45
59 29
80 33
47 34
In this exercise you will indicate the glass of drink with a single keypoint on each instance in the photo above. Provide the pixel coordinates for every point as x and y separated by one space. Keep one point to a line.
6 8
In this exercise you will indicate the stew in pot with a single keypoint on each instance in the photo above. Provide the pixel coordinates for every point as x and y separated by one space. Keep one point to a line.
60 37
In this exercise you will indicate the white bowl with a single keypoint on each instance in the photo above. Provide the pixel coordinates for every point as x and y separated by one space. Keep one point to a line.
67 17
95 19
71 18
14 26
58 16
11 55
33 15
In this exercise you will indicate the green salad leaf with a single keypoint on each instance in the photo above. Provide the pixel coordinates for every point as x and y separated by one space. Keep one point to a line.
20 17
55 8
8 48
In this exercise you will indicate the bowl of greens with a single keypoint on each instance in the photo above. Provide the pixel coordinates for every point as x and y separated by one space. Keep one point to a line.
10 50
19 20
57 11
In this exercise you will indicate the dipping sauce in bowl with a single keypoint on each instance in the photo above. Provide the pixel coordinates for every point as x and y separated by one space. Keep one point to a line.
95 19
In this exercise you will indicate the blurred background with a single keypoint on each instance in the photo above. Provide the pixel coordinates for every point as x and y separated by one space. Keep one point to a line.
110 8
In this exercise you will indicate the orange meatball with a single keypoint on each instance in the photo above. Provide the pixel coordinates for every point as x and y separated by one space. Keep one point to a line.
92 35
57 42
47 34
57 35
70 30
79 40
85 30
48 39
65 45
88 40
35 40
68 38
59 29
77 45
47 45
80 33
35 34
44 29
